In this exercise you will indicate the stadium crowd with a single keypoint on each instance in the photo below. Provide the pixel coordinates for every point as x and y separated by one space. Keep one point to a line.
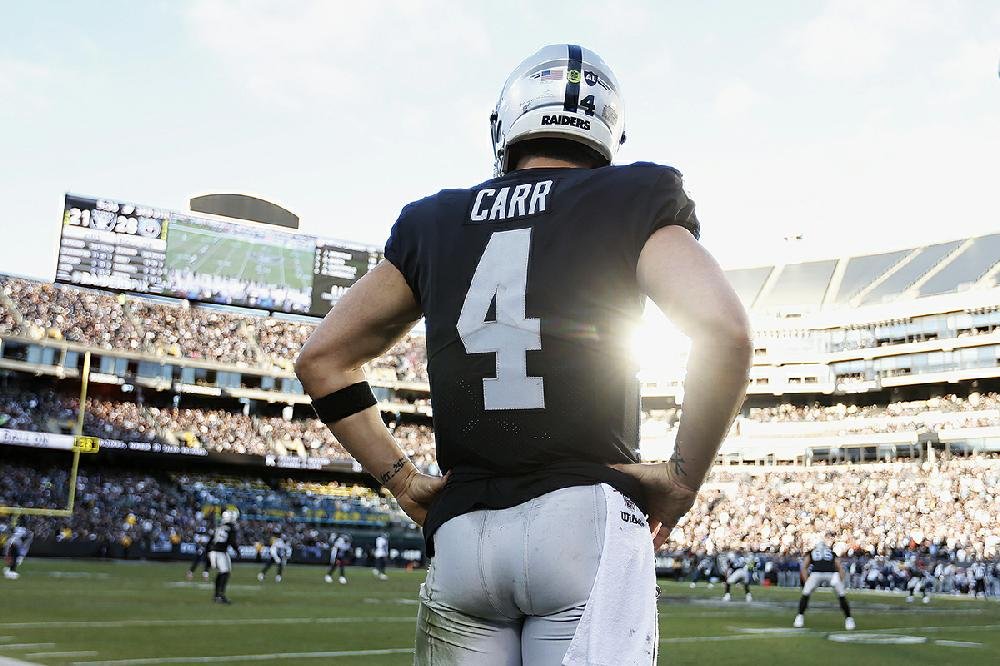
877 509
233 431
218 430
131 508
947 404
944 509
174 328
976 410
948 506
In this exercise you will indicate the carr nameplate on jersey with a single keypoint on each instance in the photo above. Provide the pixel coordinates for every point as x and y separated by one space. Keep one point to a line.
511 202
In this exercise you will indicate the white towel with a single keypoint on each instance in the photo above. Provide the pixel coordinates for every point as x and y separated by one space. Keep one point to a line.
619 626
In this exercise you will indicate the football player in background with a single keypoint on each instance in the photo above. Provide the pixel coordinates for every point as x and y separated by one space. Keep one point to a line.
16 549
381 553
340 551
277 554
740 569
918 580
821 566
530 285
223 540
872 574
978 574
703 569
202 537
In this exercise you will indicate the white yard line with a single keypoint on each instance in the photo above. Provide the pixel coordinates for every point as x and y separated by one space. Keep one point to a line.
956 627
25 646
69 653
118 624
7 661
244 657
958 644
749 633
729 637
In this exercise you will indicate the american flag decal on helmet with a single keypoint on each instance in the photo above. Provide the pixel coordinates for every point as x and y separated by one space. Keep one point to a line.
548 75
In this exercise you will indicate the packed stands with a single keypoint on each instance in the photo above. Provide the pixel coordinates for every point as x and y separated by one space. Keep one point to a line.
174 328
977 410
803 355
96 318
213 429
232 431
118 507
875 508
872 509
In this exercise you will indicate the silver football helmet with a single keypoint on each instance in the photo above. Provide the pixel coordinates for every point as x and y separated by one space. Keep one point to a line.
563 91
230 516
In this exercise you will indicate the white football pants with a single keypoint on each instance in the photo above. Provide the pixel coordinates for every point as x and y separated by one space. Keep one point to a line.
509 587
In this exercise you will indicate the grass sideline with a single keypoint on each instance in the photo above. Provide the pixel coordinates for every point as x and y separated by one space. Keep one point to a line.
64 612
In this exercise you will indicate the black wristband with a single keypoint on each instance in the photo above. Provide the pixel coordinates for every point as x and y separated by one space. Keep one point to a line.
345 402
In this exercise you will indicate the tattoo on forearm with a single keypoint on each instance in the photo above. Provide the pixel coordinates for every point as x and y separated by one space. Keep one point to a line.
678 462
396 468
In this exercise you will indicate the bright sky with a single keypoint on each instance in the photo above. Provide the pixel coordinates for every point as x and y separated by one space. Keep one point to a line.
862 125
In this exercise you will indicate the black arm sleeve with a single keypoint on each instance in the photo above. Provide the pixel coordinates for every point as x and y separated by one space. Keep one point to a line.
668 205
401 250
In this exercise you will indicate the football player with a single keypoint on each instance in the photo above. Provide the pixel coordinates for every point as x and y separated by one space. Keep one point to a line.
703 569
822 567
16 550
978 574
381 556
530 285
739 569
201 541
277 554
223 540
340 551
918 580
873 574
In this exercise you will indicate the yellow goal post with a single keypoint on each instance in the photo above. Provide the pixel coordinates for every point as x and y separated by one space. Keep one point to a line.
80 444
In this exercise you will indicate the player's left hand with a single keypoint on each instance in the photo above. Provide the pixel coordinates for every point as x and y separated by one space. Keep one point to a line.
667 500
415 492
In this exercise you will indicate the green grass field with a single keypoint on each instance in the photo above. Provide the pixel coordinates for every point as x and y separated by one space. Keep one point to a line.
193 249
131 614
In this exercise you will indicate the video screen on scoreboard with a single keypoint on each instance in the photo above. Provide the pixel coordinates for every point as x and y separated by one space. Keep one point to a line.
117 245
336 266
238 264
112 244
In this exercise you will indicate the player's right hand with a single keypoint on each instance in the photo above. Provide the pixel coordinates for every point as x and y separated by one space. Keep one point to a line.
667 500
415 492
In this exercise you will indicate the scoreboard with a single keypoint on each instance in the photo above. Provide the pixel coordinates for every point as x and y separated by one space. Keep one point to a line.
336 266
112 245
124 246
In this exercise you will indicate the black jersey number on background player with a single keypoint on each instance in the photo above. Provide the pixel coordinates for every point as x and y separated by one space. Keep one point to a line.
502 274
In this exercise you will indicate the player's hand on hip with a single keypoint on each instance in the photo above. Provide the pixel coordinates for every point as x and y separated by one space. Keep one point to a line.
667 500
415 492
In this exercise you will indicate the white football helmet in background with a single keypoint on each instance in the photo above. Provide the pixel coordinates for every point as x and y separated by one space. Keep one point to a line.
563 91
230 516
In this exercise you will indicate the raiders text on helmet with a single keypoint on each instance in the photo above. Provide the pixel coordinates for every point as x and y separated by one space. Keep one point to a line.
562 91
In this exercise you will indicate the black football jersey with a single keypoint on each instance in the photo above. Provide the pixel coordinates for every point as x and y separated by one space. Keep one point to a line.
823 559
224 537
528 287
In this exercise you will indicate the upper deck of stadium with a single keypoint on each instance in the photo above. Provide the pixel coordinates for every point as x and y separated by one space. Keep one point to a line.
870 279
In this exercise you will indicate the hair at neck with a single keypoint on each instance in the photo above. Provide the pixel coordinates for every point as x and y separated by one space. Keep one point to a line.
553 153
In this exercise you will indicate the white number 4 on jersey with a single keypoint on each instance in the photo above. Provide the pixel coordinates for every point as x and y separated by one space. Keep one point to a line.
503 273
